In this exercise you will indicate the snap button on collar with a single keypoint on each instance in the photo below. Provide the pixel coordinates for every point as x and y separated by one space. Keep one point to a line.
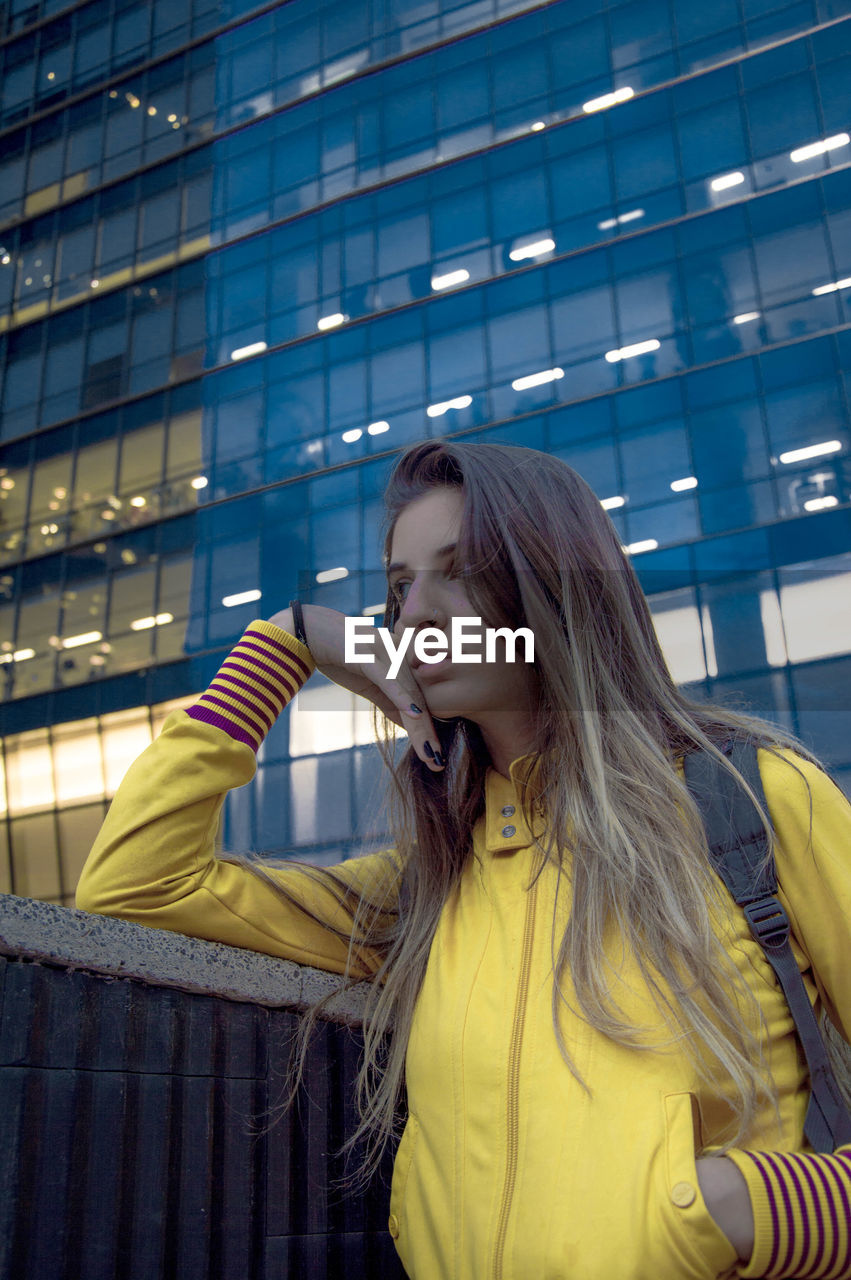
508 831
507 811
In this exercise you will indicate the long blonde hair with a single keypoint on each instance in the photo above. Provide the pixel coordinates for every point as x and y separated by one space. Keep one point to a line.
537 549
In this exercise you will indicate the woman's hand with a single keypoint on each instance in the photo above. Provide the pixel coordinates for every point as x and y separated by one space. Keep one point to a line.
725 1193
397 698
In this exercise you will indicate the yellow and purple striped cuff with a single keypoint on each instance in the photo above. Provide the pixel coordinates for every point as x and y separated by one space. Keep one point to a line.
802 1213
260 675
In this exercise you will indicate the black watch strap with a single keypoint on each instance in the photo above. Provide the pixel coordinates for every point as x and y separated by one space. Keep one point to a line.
298 622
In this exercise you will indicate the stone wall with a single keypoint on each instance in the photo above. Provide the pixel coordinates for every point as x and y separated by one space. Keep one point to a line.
137 1070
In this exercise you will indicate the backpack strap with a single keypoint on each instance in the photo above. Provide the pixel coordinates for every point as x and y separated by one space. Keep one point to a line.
738 844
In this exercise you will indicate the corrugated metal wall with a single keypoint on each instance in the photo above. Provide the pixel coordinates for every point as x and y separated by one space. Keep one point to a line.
126 1143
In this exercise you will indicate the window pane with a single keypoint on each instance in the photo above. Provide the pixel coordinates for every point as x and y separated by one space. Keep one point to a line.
29 772
126 734
814 605
184 444
141 459
78 829
5 864
14 484
131 599
50 503
83 608
175 586
77 761
34 857
94 485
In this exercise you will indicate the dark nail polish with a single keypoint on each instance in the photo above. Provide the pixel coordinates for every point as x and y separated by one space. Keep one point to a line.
429 750
416 710
438 759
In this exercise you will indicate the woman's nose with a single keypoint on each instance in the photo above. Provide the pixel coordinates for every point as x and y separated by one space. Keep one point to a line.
419 608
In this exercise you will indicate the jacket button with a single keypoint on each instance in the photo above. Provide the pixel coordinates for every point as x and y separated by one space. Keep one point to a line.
683 1194
508 831
508 811
393 1226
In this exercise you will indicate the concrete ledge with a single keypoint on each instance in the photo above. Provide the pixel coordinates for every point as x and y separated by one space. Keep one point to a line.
73 939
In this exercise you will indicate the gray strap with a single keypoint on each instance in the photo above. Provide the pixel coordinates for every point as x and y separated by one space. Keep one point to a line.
737 844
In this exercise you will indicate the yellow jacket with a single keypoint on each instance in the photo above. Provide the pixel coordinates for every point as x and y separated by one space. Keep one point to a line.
508 1168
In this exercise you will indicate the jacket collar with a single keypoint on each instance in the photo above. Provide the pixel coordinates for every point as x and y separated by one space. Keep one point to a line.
506 828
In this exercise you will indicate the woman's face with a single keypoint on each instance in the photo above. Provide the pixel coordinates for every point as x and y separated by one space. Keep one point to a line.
420 575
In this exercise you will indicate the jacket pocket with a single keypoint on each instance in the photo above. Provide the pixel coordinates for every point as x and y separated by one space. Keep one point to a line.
706 1251
401 1169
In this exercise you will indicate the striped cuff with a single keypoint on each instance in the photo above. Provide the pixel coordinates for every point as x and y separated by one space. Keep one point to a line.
802 1213
260 675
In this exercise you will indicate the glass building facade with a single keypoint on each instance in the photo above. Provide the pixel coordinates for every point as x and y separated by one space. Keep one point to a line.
247 252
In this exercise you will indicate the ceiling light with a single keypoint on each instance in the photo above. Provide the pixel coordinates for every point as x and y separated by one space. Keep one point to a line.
608 100
637 349
378 428
811 451
746 317
253 349
532 250
349 437
200 482
243 597
88 637
20 655
331 322
820 504
636 548
609 504
687 482
451 278
438 410
819 148
332 575
727 180
833 287
144 624
537 379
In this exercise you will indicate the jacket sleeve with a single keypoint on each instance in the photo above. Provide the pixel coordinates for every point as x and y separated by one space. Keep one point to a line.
154 860
802 1202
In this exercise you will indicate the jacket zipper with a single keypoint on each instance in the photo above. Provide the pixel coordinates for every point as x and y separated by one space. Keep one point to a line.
513 1099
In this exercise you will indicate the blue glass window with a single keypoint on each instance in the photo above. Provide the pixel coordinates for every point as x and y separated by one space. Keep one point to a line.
644 161
712 141
728 444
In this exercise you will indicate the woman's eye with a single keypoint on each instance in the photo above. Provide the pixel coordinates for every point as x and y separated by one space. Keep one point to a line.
397 590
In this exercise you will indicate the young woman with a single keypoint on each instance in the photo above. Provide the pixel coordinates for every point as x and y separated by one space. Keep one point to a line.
602 1074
